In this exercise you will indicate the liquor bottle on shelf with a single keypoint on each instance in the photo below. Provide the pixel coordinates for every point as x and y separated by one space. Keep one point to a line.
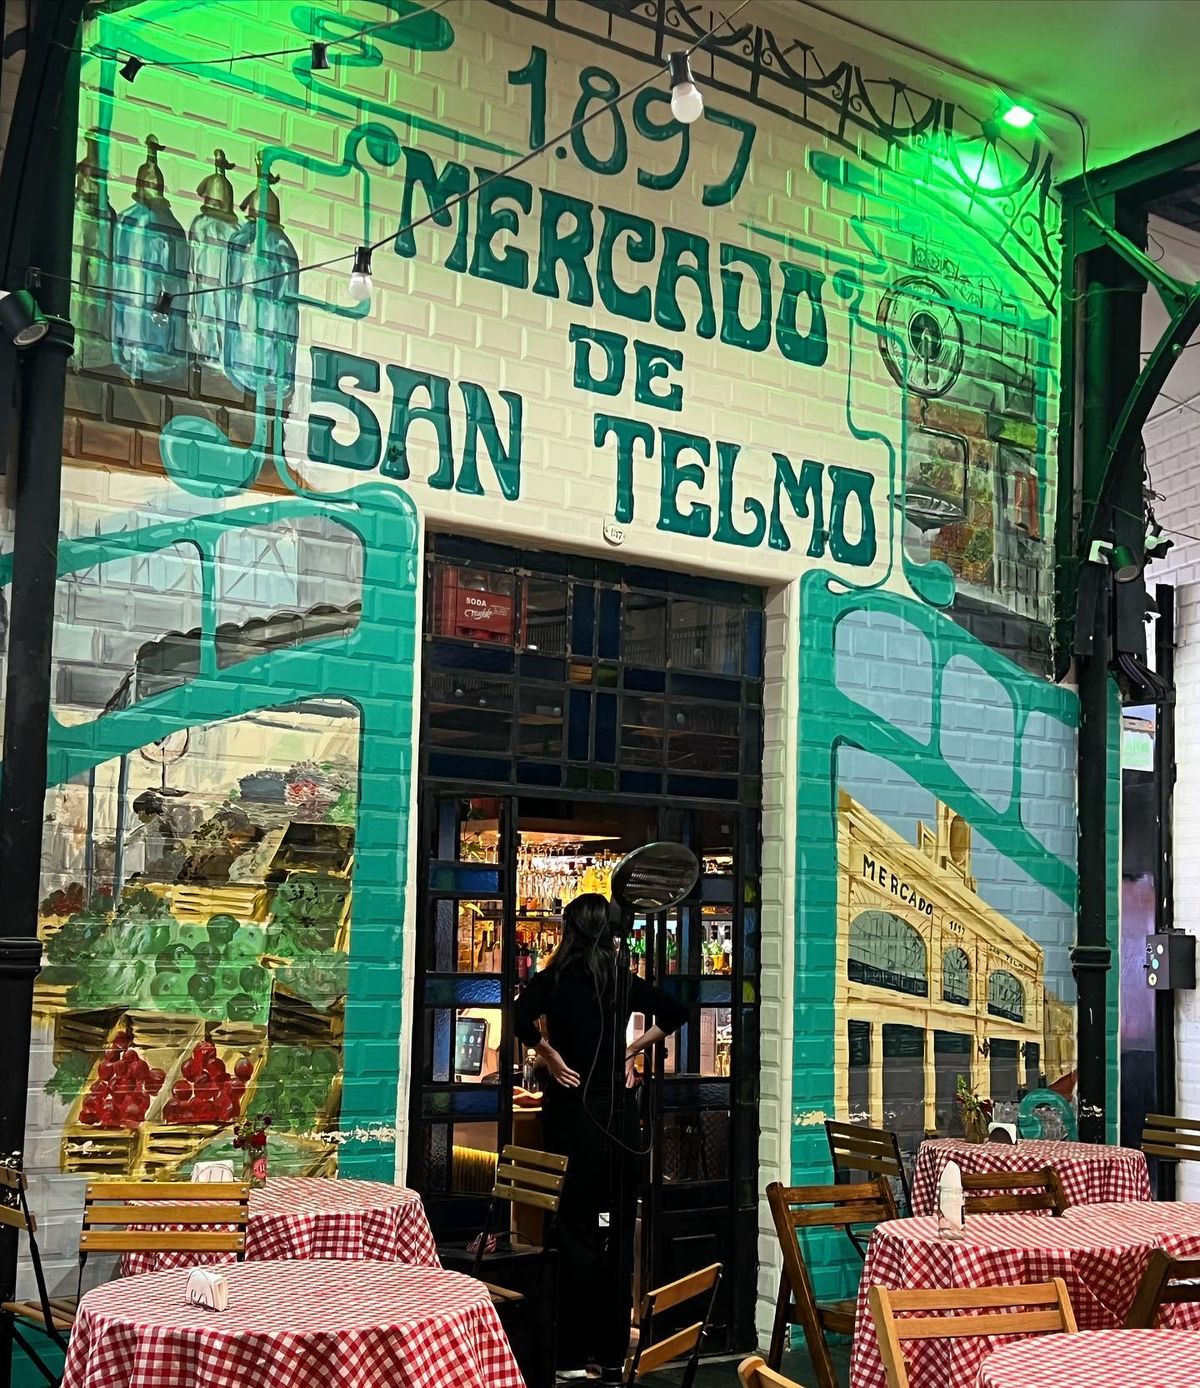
209 235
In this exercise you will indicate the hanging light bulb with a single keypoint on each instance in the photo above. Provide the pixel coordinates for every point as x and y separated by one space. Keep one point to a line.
320 57
131 67
687 104
162 306
360 285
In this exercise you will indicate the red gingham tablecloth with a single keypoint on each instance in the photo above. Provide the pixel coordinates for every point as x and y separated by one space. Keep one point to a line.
1091 1249
1090 1173
294 1325
1097 1359
316 1217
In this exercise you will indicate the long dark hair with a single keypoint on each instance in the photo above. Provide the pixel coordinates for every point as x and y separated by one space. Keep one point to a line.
586 942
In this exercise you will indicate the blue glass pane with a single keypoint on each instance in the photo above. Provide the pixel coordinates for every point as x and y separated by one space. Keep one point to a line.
714 888
754 644
467 768
464 1101
578 724
641 782
717 990
583 618
459 655
606 728
477 992
651 681
608 644
539 773
480 879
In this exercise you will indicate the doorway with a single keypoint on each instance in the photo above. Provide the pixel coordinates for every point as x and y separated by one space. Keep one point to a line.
599 709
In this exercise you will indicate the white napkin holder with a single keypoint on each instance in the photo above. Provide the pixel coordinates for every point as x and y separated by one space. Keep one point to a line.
207 1288
951 1203
213 1171
1009 1128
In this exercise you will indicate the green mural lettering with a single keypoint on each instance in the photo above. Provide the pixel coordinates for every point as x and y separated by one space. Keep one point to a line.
598 87
405 383
437 189
329 369
753 336
656 363
811 347
612 345
674 268
639 250
481 423
851 485
697 519
569 249
627 432
511 265
726 532
804 495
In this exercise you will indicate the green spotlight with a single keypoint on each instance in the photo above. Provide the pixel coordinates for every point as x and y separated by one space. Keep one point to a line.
1018 117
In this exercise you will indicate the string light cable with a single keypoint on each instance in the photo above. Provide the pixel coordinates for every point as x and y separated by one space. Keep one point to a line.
361 256
318 48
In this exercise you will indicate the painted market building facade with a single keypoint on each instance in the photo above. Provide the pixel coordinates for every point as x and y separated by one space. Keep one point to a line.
687 481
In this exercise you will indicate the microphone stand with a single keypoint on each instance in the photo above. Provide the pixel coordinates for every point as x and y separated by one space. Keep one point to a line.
619 1158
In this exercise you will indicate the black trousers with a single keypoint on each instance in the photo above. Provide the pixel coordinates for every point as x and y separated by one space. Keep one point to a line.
595 1264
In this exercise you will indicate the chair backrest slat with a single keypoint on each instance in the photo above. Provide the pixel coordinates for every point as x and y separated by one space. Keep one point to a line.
652 1354
164 1217
15 1219
525 1176
1011 1192
684 1289
673 1347
12 1178
1171 1138
530 1156
1166 1280
1052 1313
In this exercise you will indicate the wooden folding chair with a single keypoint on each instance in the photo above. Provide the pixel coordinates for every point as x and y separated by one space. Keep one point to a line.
49 1316
533 1180
1170 1138
818 1207
859 1152
164 1217
650 1354
1053 1313
1013 1192
753 1373
1166 1281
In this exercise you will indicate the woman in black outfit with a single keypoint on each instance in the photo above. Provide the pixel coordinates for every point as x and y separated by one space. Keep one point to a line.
567 1014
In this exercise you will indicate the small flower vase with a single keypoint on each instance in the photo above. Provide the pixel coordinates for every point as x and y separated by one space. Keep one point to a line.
254 1166
975 1127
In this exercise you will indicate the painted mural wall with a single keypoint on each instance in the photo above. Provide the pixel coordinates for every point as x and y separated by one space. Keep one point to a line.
809 340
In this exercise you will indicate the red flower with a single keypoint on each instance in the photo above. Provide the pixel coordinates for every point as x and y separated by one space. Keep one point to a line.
258 1139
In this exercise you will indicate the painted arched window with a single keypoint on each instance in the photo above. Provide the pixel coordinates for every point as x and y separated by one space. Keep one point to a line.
956 976
887 952
1006 996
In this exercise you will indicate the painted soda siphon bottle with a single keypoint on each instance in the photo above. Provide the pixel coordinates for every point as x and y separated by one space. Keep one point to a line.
209 236
262 320
151 257
95 225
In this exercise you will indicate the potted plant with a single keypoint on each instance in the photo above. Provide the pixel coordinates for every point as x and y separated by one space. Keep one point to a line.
976 1112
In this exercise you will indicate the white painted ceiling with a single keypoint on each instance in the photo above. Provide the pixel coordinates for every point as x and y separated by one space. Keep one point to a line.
1129 68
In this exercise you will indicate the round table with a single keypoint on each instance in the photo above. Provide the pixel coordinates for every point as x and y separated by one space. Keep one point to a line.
1090 1173
1097 1359
316 1217
293 1325
1172 1225
1100 1261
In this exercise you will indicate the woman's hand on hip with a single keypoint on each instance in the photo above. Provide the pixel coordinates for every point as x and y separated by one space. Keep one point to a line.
560 1071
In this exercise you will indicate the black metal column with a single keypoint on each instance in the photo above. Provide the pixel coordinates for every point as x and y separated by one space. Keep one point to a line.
1164 900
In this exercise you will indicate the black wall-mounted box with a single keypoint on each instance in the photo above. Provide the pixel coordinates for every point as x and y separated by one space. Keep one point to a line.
1171 960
